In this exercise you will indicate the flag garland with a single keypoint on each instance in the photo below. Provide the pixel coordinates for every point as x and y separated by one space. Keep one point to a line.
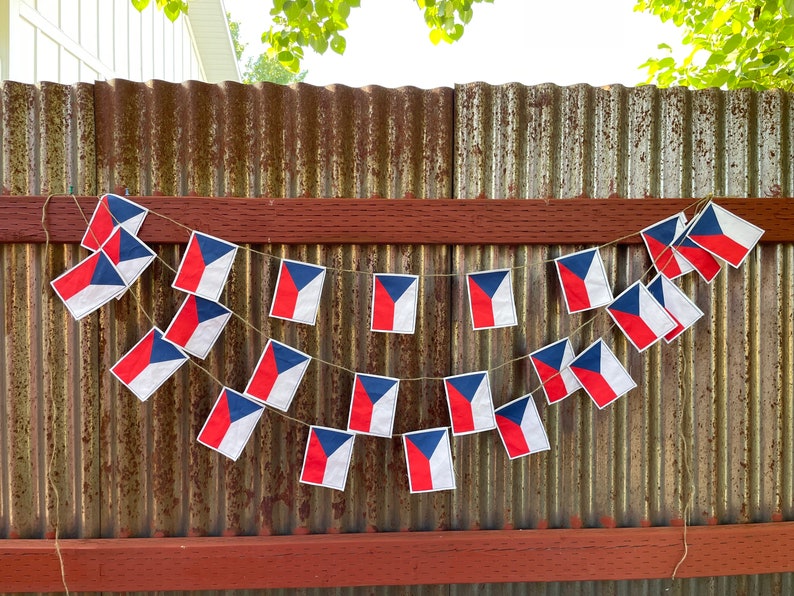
207 263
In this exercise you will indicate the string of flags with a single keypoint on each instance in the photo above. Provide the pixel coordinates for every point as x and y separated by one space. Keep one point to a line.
645 313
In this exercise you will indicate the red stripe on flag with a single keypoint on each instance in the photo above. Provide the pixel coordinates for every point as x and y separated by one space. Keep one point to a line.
264 376
361 409
701 260
575 289
418 468
724 246
481 306
101 227
220 420
316 461
460 407
597 386
136 361
679 327
552 381
513 435
635 328
383 309
192 268
185 325
78 279
286 295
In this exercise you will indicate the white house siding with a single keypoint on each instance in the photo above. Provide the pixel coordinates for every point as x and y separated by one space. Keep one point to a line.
67 41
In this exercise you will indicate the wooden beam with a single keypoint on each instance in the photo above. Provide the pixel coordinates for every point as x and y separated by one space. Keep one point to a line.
384 221
402 558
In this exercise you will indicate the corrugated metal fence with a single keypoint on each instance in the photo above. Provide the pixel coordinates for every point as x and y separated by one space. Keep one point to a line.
708 435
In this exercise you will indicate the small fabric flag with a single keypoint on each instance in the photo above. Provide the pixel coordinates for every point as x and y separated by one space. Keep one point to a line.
197 325
658 240
148 364
394 303
205 266
428 456
128 254
230 423
277 375
520 427
584 280
88 285
111 212
703 261
676 303
298 289
491 299
327 457
551 363
724 234
641 318
470 403
601 374
373 404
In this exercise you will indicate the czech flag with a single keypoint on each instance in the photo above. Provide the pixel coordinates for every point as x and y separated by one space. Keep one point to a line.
601 374
111 212
197 325
298 290
584 280
128 254
205 266
373 404
641 318
327 457
703 261
470 403
148 364
520 427
676 303
551 364
277 375
429 459
491 299
88 285
230 423
724 234
658 240
394 303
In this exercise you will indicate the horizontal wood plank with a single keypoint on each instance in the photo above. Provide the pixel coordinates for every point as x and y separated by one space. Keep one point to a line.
406 558
383 221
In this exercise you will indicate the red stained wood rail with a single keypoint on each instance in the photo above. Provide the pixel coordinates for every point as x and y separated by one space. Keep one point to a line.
385 221
408 558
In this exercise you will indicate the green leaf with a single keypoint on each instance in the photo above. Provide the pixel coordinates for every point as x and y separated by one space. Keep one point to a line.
338 44
285 57
319 44
732 43
435 36
139 5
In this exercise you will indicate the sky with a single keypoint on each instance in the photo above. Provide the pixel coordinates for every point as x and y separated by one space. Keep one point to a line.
522 41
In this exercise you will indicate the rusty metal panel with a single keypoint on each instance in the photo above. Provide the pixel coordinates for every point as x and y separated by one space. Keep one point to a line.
49 464
707 436
265 141
704 436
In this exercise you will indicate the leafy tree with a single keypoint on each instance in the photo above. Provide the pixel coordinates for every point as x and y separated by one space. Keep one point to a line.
262 68
732 43
318 24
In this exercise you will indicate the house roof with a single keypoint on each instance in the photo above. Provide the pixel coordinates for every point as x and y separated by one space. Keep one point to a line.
207 22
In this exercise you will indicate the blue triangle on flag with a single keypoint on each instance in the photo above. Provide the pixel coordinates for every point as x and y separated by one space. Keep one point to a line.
239 406
590 359
489 281
628 302
376 387
467 385
579 264
211 248
164 351
208 309
286 358
105 274
427 441
514 411
121 209
302 274
396 285
330 440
